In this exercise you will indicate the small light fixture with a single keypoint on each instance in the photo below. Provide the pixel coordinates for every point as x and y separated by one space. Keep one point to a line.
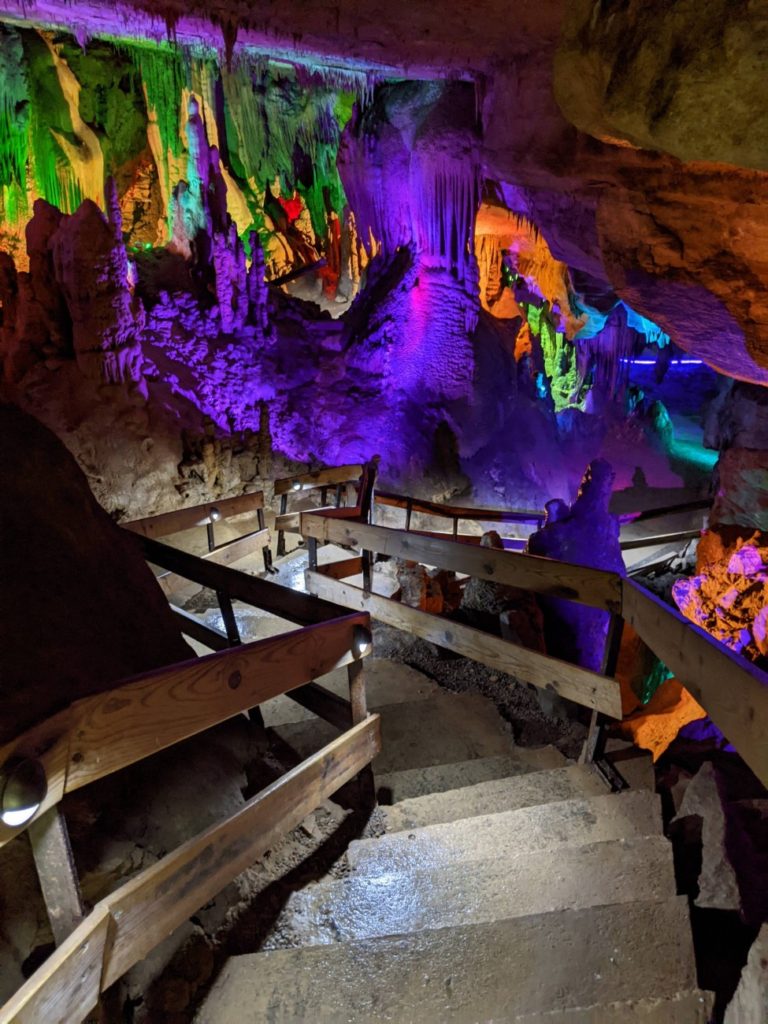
296 485
23 787
214 515
362 641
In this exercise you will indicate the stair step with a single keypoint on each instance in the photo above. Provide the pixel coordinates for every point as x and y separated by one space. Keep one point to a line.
633 813
365 906
386 682
693 1007
462 975
446 728
411 782
494 796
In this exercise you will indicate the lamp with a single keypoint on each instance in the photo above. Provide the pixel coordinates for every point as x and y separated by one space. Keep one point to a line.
362 641
214 515
296 485
23 787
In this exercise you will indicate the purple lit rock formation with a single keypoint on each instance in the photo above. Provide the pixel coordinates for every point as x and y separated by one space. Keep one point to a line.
584 533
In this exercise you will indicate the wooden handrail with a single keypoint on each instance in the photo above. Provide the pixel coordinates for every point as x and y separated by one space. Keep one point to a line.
102 733
287 604
594 587
570 681
480 515
319 478
197 515
732 690
125 926
533 517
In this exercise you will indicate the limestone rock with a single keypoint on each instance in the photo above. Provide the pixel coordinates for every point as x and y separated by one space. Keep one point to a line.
718 885
682 77
585 534
72 575
750 1002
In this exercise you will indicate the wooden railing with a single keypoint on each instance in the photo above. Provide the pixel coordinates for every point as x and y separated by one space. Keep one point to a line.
208 515
732 690
336 477
527 517
108 731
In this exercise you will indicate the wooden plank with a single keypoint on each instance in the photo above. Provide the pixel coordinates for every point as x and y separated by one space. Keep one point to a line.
56 873
197 630
531 572
319 478
197 515
479 515
341 569
733 691
290 521
659 539
154 711
48 742
148 908
281 601
66 987
224 554
324 703
108 731
570 681
668 510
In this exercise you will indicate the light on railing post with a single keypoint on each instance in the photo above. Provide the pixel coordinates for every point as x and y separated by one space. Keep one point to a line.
214 515
296 485
362 641
23 787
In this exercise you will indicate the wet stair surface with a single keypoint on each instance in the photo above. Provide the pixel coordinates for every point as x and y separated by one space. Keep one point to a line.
509 886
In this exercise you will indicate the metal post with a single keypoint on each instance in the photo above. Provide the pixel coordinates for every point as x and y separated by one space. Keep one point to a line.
312 553
211 538
266 553
228 615
339 489
281 533
408 513
323 497
593 751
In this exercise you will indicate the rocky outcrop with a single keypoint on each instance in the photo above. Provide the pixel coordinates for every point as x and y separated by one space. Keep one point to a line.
673 77
71 575
750 1002
583 533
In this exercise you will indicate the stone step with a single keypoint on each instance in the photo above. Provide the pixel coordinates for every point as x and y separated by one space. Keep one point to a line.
631 814
411 782
483 972
446 728
365 906
494 796
693 1007
386 682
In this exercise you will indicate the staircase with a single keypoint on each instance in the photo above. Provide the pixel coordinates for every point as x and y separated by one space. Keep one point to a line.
508 886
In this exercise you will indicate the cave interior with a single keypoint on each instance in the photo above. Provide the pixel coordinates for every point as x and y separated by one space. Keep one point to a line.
482 257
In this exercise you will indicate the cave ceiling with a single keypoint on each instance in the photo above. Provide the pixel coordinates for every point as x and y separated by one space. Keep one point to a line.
633 134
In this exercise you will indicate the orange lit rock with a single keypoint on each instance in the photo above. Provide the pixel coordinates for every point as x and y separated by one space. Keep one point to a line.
662 718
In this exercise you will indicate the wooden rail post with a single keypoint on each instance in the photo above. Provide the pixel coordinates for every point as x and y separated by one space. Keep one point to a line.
56 871
359 706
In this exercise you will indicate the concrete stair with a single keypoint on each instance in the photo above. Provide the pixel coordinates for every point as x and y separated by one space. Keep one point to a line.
509 887
412 782
481 972
366 906
632 814
507 794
